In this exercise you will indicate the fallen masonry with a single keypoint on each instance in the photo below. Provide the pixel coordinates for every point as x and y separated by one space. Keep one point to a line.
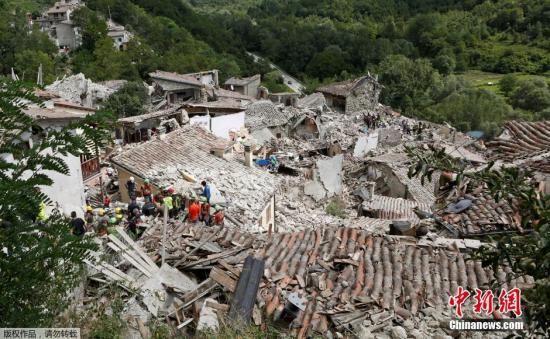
325 231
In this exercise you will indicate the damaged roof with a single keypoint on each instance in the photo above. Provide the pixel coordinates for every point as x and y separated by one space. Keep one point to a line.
264 113
344 88
241 81
344 268
176 77
484 216
158 114
524 140
384 207
189 149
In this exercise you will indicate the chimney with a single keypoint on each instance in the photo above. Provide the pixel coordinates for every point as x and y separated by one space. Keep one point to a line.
218 150
248 155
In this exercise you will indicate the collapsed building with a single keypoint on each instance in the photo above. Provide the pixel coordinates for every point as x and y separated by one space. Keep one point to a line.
186 157
352 96
305 245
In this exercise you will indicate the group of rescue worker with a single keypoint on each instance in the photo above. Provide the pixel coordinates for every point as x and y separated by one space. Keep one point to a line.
191 208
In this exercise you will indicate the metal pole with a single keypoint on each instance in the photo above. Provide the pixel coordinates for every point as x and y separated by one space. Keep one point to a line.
164 234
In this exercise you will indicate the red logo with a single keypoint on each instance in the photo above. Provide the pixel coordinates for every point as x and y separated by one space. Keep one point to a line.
508 301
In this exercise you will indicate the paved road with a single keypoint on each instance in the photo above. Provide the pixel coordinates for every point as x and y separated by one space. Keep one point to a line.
289 80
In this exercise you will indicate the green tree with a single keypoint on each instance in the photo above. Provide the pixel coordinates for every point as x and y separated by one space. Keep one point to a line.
473 109
27 63
532 95
330 62
128 101
93 27
508 84
445 64
40 262
407 82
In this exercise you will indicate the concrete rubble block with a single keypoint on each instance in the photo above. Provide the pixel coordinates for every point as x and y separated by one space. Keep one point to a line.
208 318
398 332
153 290
389 137
315 190
330 173
365 144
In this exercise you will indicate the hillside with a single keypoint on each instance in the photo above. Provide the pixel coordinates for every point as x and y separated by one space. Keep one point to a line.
433 57
442 41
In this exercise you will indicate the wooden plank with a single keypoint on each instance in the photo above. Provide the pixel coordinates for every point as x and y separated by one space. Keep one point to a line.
212 236
234 270
131 253
135 246
223 279
212 258
134 262
218 307
118 272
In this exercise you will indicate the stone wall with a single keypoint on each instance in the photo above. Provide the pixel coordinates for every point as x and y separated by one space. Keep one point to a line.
363 97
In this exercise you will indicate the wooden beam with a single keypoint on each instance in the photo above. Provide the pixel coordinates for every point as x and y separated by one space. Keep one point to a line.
222 278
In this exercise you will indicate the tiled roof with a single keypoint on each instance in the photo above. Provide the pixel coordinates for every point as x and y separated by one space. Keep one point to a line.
343 269
384 207
241 81
484 216
175 77
229 103
264 113
223 93
188 149
421 193
343 88
524 140
385 271
40 113
147 116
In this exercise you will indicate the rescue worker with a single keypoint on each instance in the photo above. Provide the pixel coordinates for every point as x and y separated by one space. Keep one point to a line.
205 211
102 221
205 190
106 201
112 226
89 217
147 190
169 203
132 205
218 215
131 187
42 215
148 208
194 211
77 225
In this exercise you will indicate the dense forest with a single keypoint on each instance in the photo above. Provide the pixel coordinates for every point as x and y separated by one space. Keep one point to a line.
471 63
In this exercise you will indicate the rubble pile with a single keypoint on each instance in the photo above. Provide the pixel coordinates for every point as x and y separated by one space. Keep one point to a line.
351 247
76 88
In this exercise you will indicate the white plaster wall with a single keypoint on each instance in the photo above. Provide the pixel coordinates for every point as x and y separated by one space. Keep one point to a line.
67 190
222 124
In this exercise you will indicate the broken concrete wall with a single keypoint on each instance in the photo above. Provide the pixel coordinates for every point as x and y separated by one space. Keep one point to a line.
389 137
78 89
327 178
363 97
365 144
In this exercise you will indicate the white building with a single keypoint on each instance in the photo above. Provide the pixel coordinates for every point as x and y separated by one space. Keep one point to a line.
67 191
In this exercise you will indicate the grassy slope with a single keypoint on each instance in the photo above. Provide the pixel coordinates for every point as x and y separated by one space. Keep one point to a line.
222 6
490 81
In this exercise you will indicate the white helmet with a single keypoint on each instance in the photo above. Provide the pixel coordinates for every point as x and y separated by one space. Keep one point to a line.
132 179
